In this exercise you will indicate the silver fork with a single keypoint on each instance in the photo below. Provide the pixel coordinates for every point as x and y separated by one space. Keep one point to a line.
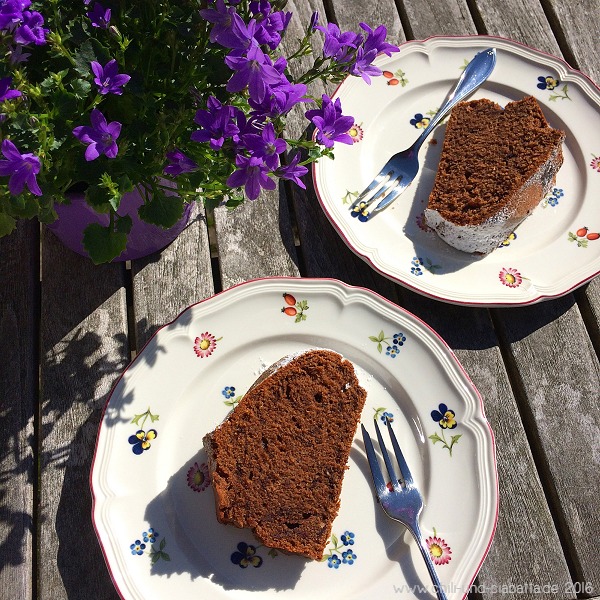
403 502
400 170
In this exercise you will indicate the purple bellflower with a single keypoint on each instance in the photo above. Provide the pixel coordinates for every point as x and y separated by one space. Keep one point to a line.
108 79
101 136
265 145
271 25
217 123
337 45
179 163
5 92
331 125
282 97
99 16
375 40
253 174
11 12
293 171
363 66
21 168
31 30
229 29
254 70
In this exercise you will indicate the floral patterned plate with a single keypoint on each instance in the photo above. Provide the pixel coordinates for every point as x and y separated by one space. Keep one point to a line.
555 250
153 503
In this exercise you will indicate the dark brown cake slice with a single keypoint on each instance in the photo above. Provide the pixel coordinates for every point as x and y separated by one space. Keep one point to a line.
278 460
496 166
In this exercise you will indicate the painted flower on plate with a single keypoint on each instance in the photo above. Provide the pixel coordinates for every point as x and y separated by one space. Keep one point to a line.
150 536
510 277
198 477
137 548
547 82
205 344
444 417
246 556
141 440
439 550
595 163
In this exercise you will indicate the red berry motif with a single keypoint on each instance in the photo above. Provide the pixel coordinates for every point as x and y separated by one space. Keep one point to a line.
593 236
581 232
289 299
294 307
388 74
393 81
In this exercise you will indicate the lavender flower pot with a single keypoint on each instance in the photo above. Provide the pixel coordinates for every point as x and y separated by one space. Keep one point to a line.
144 238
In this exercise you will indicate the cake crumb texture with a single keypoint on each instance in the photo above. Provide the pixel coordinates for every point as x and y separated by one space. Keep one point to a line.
278 460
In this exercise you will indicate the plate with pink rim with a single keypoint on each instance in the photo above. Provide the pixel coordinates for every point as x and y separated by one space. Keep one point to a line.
552 252
153 505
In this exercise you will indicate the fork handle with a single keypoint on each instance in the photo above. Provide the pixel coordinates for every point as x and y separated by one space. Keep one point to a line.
439 590
475 73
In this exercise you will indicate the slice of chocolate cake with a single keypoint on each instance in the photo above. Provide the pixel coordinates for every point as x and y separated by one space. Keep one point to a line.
278 460
496 166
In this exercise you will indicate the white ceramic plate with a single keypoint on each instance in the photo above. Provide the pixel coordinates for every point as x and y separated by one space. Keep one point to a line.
551 253
154 512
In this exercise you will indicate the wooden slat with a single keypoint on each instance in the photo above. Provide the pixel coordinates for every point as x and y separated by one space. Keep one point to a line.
19 257
167 282
555 376
84 348
256 240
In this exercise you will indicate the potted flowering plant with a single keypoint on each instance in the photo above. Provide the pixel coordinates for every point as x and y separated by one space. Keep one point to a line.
180 100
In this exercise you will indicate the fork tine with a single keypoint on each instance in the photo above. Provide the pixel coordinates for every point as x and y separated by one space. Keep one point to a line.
377 187
405 471
391 196
378 480
386 458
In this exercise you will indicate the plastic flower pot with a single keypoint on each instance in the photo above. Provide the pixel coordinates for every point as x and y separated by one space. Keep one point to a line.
143 239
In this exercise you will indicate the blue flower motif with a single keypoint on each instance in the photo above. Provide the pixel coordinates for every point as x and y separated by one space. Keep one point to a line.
392 351
333 562
419 121
361 212
416 271
150 535
347 538
246 556
140 441
387 417
399 339
137 547
547 82
228 391
444 417
348 557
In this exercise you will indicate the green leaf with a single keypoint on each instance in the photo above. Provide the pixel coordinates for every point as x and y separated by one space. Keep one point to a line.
103 244
165 556
81 88
455 438
162 210
434 437
7 224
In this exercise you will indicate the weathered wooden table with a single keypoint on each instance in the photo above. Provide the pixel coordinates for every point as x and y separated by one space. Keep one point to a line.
68 329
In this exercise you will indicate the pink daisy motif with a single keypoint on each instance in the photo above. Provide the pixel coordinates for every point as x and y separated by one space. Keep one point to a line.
439 550
205 344
356 133
198 477
510 277
595 163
